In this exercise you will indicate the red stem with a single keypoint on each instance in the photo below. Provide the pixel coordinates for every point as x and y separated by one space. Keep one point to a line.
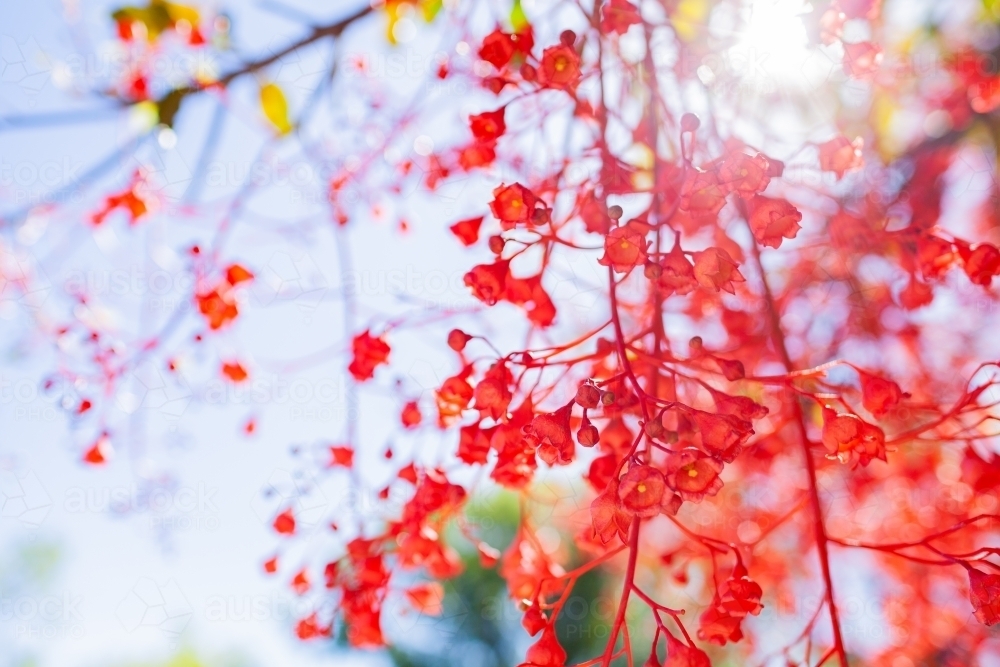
820 530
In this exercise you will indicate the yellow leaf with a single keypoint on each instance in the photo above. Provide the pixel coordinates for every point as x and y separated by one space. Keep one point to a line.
518 20
884 114
180 12
157 17
431 9
275 107
689 18
185 659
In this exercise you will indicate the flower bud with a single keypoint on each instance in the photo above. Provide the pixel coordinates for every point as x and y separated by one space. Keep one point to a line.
457 339
588 395
588 435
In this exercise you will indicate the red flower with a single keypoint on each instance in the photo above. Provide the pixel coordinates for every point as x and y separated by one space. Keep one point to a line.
601 471
477 155
560 67
369 353
527 569
129 200
529 293
773 220
467 231
453 397
746 175
722 436
217 307
984 592
594 215
714 268
552 433
300 583
99 452
680 654
879 395
742 407
608 515
740 595
309 628
487 281
284 523
840 155
641 490
489 126
534 620
618 15
234 371
427 598
718 627
624 248
702 195
474 444
982 263
411 416
497 48
236 274
916 294
341 456
516 462
693 474
934 256
492 394
546 652
852 439
513 204
408 473
362 617
862 60
676 273
854 9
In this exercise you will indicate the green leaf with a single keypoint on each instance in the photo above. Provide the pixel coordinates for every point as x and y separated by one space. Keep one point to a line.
518 20
431 9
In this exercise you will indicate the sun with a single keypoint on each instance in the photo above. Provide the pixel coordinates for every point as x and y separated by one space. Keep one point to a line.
771 43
